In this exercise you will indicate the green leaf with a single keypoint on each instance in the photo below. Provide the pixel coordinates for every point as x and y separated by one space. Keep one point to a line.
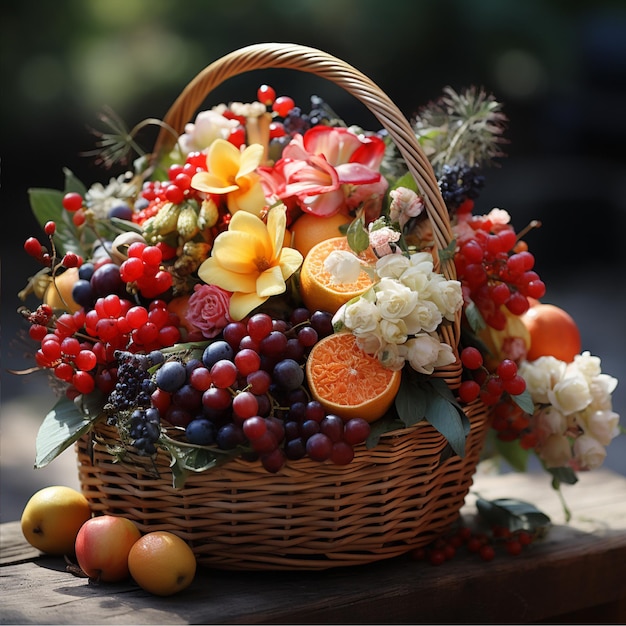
63 425
188 458
513 514
564 475
431 399
385 424
474 317
72 183
406 181
411 401
358 239
525 402
46 205
447 254
513 454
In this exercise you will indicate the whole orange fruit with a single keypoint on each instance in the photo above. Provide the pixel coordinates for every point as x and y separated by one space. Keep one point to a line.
162 563
553 332
349 382
309 230
317 288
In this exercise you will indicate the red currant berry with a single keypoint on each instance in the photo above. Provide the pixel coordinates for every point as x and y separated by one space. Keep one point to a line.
72 201
282 105
471 358
266 95
468 391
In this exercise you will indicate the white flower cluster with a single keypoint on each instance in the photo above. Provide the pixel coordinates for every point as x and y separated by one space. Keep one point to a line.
397 318
575 420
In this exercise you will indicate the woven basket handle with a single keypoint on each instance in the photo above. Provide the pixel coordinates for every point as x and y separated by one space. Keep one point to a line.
305 59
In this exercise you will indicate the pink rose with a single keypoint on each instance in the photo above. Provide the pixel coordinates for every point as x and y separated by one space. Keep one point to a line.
208 309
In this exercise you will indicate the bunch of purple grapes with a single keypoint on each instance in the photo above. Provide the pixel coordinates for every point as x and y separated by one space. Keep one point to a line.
247 391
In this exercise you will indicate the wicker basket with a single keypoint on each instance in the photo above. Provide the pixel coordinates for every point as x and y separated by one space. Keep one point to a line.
395 497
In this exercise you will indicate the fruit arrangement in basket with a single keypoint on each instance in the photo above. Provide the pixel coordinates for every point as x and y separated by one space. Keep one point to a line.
273 284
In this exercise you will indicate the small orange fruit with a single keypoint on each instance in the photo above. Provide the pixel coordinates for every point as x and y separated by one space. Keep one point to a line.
347 381
310 229
317 288
553 332
162 563
58 295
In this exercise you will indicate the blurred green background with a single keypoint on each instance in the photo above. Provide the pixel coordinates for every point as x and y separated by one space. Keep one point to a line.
559 67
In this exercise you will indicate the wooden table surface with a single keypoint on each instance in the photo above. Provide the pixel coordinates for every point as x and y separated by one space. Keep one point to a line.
576 574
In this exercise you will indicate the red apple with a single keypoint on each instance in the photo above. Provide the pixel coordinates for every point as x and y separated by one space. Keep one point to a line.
102 547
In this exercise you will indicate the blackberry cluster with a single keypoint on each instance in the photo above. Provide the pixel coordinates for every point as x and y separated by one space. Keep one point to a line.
134 384
145 429
458 183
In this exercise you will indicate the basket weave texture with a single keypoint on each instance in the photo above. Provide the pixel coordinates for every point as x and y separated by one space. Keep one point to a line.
390 499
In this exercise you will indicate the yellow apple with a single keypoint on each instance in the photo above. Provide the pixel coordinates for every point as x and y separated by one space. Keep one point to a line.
162 563
52 518
102 547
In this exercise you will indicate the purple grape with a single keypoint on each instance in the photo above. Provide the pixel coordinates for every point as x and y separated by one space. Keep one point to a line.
171 376
288 374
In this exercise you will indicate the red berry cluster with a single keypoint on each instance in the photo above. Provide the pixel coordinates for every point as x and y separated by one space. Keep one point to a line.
489 386
40 253
495 269
143 269
482 544
79 347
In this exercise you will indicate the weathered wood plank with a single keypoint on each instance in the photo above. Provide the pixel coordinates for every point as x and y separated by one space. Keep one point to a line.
578 566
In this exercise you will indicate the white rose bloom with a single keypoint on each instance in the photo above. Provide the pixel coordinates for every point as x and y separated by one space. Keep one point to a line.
208 126
549 421
426 317
343 266
371 343
541 375
391 265
423 352
361 316
570 395
601 425
445 355
422 261
391 357
416 279
556 451
601 387
589 453
589 365
446 294
499 216
393 331
393 299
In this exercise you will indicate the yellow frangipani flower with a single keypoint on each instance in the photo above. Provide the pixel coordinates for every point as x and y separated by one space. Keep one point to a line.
249 260
232 172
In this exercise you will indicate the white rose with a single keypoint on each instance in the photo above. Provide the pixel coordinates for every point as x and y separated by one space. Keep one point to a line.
393 299
570 395
416 279
425 352
589 453
391 357
499 216
343 266
446 294
361 316
371 343
208 126
424 317
589 365
556 451
445 355
540 376
422 261
391 265
549 421
601 388
393 331
601 425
